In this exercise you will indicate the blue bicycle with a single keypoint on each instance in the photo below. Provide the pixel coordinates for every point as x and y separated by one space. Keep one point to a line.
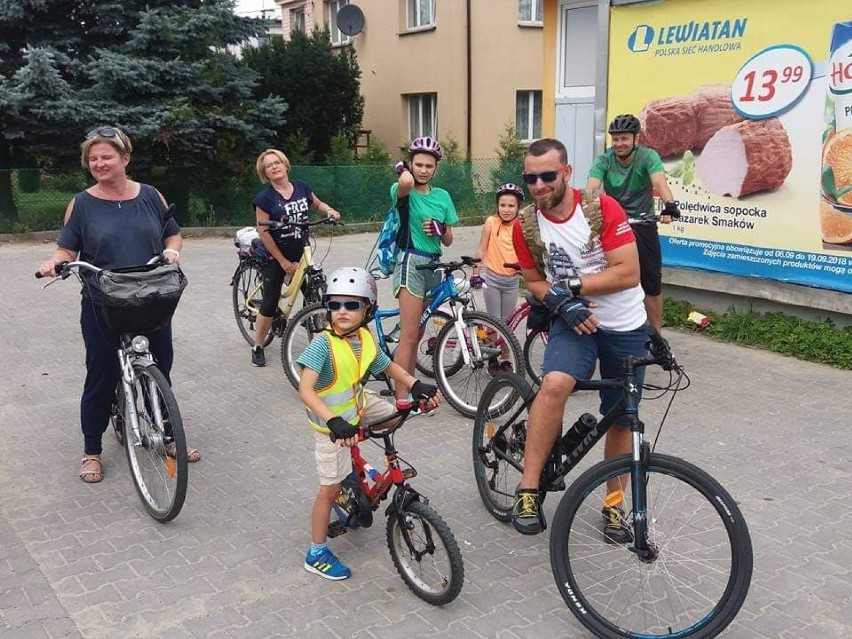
466 347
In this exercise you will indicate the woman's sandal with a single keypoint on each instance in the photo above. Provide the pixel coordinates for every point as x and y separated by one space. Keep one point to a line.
87 473
192 454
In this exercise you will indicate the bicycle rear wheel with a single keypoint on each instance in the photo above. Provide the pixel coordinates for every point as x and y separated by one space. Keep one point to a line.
491 348
246 297
157 453
432 565
301 329
694 585
534 346
426 348
499 437
116 413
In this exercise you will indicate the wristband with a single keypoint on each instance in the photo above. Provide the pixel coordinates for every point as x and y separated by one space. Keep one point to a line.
171 250
574 285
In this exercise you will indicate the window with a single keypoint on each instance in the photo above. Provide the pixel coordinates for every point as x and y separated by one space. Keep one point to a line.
529 11
297 19
422 115
421 13
528 115
337 36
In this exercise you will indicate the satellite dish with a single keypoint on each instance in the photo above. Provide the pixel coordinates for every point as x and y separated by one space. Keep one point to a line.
350 20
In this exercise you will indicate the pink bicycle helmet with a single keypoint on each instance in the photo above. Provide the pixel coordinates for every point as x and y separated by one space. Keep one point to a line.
510 189
426 144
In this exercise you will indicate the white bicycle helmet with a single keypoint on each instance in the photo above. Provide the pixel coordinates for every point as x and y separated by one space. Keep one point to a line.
510 189
353 281
426 144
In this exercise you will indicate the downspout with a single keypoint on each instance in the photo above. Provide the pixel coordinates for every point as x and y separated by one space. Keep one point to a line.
469 131
601 77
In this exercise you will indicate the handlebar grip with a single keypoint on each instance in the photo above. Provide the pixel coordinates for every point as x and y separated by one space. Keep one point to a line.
38 275
58 267
424 267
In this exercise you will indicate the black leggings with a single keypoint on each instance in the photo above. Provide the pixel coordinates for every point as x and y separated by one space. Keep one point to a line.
273 281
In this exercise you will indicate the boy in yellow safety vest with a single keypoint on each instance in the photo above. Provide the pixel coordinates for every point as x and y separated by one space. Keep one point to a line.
331 388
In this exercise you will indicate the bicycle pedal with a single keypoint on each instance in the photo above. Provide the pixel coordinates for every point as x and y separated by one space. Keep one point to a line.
409 473
556 485
385 392
336 528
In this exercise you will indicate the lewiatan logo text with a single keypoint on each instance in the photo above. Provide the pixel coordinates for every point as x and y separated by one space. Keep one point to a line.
644 35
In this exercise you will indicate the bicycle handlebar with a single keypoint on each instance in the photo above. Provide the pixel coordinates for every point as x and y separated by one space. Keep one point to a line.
466 260
279 225
661 353
63 269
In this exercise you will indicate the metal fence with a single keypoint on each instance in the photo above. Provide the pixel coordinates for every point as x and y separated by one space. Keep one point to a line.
35 200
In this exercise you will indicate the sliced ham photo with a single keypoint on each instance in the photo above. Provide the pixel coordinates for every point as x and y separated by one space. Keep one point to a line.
714 109
744 158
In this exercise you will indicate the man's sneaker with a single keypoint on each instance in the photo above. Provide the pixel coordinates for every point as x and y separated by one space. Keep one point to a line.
615 526
526 513
326 565
257 356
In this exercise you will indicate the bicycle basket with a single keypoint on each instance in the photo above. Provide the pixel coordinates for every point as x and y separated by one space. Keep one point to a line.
140 299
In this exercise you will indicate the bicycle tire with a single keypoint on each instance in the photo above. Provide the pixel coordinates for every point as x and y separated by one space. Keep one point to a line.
116 413
534 346
160 479
497 435
246 278
300 330
434 584
464 388
426 347
690 517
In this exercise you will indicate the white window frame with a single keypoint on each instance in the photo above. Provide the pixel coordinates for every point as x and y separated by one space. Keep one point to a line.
526 130
535 14
419 128
337 36
413 9
294 26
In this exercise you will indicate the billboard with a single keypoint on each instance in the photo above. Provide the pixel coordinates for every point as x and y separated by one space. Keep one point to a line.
750 106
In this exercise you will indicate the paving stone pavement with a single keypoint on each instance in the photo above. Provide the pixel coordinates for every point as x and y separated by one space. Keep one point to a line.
81 560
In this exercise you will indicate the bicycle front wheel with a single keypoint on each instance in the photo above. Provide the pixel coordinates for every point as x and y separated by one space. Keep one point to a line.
157 453
426 554
490 348
301 329
246 297
534 346
499 437
697 578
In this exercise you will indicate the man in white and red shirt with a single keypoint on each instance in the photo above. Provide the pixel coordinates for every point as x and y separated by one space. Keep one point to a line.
591 285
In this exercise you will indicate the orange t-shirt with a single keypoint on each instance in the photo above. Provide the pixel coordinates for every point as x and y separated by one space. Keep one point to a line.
500 249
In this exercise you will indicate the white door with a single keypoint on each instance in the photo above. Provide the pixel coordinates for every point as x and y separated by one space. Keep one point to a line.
577 47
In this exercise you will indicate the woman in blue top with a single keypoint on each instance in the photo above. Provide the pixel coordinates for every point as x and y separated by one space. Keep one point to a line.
426 214
284 200
115 223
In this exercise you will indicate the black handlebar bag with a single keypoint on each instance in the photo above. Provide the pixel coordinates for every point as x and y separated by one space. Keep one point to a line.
140 299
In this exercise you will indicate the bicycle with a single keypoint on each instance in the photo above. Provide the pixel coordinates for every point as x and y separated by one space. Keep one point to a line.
154 443
460 372
247 285
422 546
686 570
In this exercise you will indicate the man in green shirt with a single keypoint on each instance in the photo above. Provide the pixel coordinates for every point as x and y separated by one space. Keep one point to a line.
631 174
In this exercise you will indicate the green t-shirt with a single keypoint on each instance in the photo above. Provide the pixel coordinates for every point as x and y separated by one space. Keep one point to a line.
416 208
631 184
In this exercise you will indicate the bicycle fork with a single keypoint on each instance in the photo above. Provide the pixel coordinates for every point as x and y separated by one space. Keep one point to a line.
466 335
128 382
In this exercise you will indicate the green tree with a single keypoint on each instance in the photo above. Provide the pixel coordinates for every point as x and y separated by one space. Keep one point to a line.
320 84
160 69
510 158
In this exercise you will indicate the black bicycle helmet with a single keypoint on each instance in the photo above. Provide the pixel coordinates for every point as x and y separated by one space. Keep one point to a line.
626 123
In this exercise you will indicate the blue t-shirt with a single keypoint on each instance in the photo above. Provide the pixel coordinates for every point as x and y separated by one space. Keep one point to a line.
317 357
113 234
295 209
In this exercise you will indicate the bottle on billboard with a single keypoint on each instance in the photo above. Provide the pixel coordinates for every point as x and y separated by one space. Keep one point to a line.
836 176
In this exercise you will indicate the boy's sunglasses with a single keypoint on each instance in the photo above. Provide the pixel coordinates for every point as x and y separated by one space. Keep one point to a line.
547 176
349 305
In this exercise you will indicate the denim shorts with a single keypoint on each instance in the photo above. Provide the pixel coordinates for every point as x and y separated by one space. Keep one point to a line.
568 352
406 275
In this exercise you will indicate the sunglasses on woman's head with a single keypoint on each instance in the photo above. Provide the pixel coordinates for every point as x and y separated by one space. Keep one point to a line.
349 305
103 131
532 178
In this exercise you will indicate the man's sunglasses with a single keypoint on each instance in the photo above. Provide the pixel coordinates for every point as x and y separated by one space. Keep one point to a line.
547 176
349 305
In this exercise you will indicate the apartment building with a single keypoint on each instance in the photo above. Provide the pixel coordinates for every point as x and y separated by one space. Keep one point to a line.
448 68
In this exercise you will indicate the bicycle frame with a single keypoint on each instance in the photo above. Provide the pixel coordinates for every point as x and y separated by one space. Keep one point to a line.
560 462
288 297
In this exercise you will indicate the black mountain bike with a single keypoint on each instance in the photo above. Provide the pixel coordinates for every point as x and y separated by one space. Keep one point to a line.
683 568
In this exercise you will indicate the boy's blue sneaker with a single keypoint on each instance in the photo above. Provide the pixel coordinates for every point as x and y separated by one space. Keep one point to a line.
327 565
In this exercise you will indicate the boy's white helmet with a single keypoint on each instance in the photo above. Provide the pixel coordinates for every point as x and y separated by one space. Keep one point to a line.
352 281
